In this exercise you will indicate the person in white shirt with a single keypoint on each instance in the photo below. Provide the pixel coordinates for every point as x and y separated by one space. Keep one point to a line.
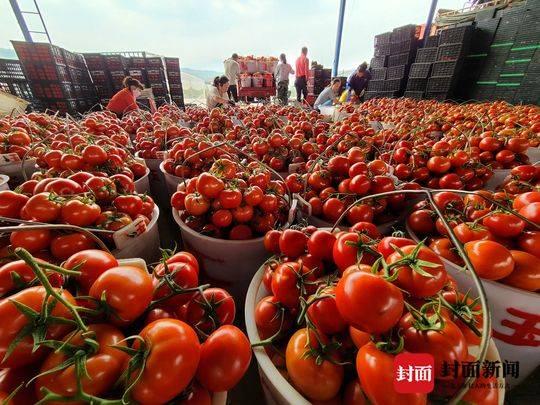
329 95
217 95
232 71
281 74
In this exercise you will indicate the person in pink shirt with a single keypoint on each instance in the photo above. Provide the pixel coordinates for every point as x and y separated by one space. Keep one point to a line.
302 70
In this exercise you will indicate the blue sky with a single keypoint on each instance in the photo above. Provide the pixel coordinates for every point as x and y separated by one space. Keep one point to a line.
202 33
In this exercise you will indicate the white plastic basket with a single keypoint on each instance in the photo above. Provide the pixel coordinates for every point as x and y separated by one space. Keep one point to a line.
245 81
327 110
251 65
146 245
4 182
277 390
13 169
257 81
142 185
498 177
502 299
171 180
534 154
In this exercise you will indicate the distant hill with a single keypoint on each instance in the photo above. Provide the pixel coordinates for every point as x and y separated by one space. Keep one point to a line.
6 53
206 75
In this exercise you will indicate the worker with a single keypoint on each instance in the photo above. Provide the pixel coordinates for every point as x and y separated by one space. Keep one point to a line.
302 71
232 71
217 95
329 95
126 99
358 81
281 74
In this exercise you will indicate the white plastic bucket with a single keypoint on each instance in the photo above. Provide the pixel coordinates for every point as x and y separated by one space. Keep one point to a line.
13 170
171 180
498 177
146 245
534 154
502 299
245 81
152 164
262 66
257 81
327 110
4 182
142 185
271 65
233 262
321 223
251 65
277 390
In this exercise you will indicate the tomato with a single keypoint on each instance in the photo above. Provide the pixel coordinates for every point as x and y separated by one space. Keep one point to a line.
173 356
224 168
324 315
16 378
79 212
44 207
183 275
386 245
271 241
360 213
351 248
447 199
444 248
91 263
525 199
439 164
94 155
490 259
376 371
531 212
103 368
318 378
382 302
360 184
209 185
32 240
444 341
104 189
421 222
320 244
222 218
129 204
197 396
353 394
484 391
292 243
269 203
17 275
127 291
416 276
211 309
504 225
358 337
467 232
196 204
63 187
63 246
123 183
287 280
526 273
270 316
225 358
253 195
530 242
33 297
366 228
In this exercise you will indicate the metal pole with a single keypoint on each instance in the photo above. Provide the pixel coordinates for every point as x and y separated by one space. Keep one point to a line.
429 20
42 21
20 20
338 36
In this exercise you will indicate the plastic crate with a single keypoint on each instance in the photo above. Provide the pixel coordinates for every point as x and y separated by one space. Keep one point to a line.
432 41
378 62
383 38
456 35
38 52
159 89
139 74
368 95
400 59
155 75
378 74
117 77
179 101
439 84
154 62
376 85
445 69
52 91
100 76
438 96
393 85
417 95
172 63
405 33
94 61
396 72
137 62
450 52
420 70
416 84
382 50
11 69
116 62
104 91
36 72
426 55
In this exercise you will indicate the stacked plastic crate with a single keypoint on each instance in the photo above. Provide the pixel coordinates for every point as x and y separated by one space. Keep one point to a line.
155 72
12 79
378 66
100 76
45 68
453 46
403 47
174 78
421 68
318 79
83 88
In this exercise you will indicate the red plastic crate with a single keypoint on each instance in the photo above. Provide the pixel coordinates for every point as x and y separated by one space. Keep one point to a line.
100 76
104 91
52 90
155 75
159 89
38 52
154 62
46 71
117 77
116 62
173 63
137 62
137 74
94 61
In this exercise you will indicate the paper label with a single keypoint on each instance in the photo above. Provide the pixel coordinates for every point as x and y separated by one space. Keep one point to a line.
8 158
125 235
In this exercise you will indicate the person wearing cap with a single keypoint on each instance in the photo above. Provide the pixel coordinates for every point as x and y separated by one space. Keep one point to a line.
232 71
358 80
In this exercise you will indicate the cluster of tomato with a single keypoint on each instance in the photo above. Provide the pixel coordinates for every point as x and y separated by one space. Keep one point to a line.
96 330
342 305
501 245
231 201
521 179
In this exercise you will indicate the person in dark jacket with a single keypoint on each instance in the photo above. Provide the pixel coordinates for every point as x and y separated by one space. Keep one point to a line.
358 80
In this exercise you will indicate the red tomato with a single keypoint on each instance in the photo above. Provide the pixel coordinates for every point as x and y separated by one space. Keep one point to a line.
292 243
210 310
491 260
351 248
63 246
91 263
44 207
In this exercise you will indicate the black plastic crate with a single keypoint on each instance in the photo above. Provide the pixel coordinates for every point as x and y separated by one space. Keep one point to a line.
416 84
368 95
485 15
94 61
426 55
417 95
396 72
450 52
482 92
456 35
378 62
382 50
439 84
420 70
383 38
11 69
376 85
400 59
438 96
445 69
432 41
378 74
393 85
404 33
